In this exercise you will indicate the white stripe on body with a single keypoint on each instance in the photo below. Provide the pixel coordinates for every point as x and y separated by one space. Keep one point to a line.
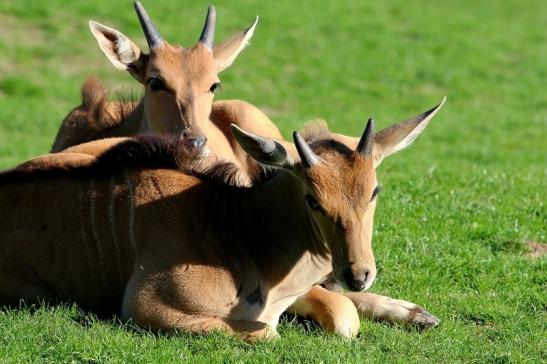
112 221
95 233
131 202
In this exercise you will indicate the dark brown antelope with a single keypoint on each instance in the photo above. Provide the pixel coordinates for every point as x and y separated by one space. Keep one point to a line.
170 242
179 88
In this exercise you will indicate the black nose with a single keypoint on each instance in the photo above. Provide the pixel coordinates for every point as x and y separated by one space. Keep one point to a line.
355 283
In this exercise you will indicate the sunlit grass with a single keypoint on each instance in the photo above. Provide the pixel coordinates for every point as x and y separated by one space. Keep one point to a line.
458 208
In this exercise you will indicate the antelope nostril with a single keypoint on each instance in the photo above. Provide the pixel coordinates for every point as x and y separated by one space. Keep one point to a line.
356 283
201 141
197 143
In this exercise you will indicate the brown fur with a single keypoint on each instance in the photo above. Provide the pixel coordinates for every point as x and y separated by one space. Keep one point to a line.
172 246
182 107
331 311
148 151
102 251
94 119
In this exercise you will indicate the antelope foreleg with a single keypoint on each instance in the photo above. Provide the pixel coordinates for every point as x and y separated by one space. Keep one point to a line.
382 308
159 317
332 311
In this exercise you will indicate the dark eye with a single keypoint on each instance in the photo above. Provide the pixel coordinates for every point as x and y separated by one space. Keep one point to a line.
313 204
156 84
376 191
216 86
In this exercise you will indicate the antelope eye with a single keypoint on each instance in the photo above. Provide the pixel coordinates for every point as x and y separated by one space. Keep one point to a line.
313 204
215 87
156 84
376 191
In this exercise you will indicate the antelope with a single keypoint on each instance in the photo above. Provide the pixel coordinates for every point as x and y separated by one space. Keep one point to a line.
180 84
170 242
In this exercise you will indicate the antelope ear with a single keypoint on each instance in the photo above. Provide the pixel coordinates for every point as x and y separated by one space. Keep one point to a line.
226 52
119 49
264 150
400 136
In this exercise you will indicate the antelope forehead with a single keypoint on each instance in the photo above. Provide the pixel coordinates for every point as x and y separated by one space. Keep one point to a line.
345 190
181 62
200 58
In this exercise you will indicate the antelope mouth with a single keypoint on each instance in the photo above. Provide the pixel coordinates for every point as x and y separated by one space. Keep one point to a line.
350 281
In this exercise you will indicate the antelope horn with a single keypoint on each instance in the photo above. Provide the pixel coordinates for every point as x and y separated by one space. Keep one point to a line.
365 144
308 157
152 35
208 33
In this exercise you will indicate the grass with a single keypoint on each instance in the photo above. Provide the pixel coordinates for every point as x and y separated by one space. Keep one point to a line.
458 209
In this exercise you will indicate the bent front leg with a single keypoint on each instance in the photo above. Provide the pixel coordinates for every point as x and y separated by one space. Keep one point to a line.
159 317
145 307
382 308
332 311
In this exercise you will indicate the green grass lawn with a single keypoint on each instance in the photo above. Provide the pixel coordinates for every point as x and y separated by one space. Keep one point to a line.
459 210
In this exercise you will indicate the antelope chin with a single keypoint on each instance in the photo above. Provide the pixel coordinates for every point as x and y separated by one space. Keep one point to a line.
205 152
369 284
345 287
342 283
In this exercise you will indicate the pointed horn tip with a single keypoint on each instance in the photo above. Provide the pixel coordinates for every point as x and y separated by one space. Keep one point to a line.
298 140
138 6
208 32
211 12
307 156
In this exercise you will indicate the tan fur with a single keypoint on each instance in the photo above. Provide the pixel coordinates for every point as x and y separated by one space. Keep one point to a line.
214 258
319 305
94 119
184 107
331 315
332 311
165 248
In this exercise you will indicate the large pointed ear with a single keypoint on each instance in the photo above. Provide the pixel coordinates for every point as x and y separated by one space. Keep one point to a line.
400 136
226 52
264 150
119 49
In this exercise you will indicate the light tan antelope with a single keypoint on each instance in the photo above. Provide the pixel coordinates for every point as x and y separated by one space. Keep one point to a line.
179 88
172 243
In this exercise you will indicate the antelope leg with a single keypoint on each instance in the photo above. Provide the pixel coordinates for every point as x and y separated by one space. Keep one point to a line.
167 319
145 307
382 308
332 311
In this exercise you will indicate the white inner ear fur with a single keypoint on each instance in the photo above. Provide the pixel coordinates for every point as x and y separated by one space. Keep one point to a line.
125 51
226 52
116 46
406 141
